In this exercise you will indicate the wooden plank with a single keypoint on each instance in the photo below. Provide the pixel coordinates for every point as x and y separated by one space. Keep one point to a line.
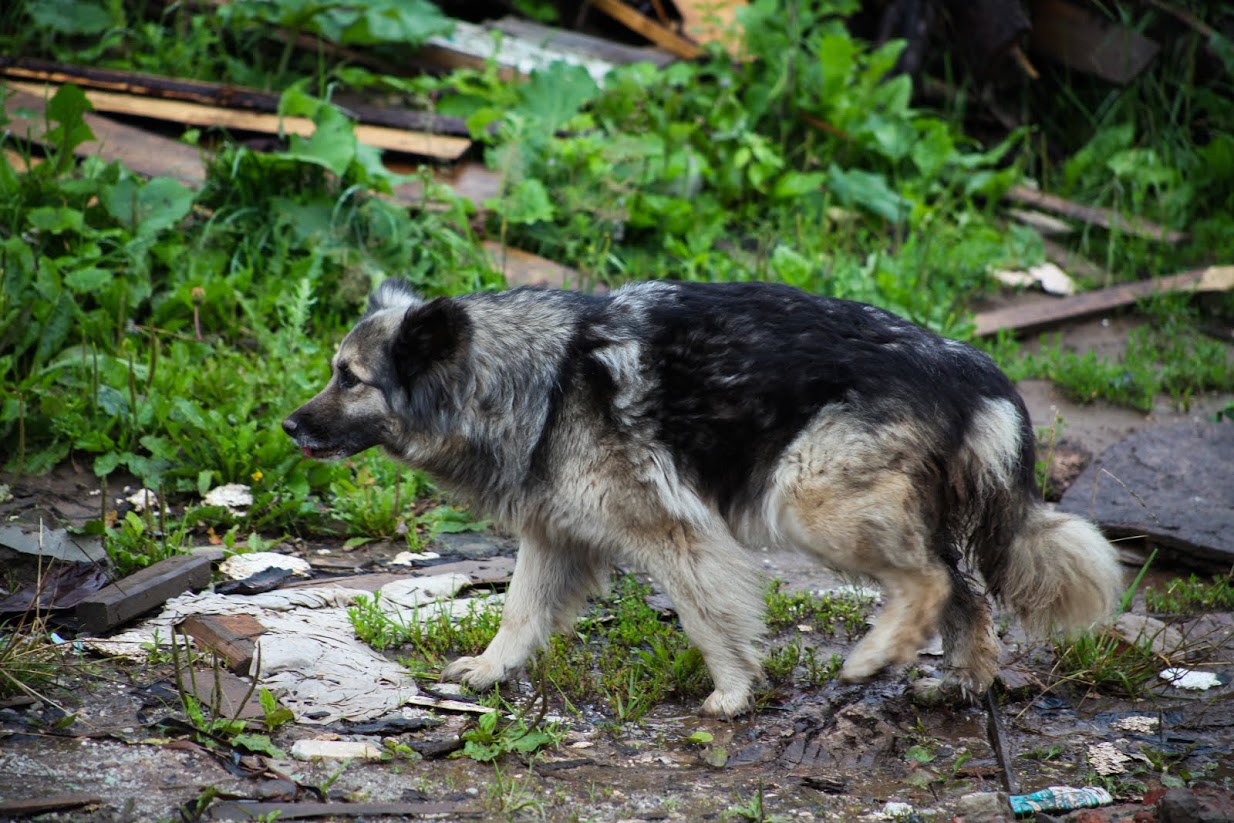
523 268
470 44
442 147
573 41
51 803
214 94
19 162
711 21
142 591
1038 315
244 810
150 154
1087 42
224 694
230 636
662 36
1106 218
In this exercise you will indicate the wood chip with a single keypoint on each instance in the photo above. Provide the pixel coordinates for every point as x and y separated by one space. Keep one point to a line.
662 36
51 803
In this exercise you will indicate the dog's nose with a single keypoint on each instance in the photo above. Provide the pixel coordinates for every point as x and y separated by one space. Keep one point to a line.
290 426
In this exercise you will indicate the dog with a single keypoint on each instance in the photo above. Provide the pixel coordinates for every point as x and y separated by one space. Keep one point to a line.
668 426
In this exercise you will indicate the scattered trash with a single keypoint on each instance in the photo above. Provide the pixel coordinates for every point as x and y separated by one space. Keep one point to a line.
892 810
1137 723
412 558
143 499
245 566
56 544
1181 678
1048 276
335 750
234 497
61 586
1106 759
264 581
309 654
1060 799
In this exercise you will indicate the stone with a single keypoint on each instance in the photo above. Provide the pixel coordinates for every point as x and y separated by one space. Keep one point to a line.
1202 804
1173 484
984 807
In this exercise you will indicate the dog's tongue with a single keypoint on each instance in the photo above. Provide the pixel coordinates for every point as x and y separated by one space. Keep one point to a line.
308 452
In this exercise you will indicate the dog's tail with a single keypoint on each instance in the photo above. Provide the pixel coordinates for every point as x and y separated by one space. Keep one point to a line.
1061 573
1055 570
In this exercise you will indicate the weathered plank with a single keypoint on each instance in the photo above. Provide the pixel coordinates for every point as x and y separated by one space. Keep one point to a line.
442 147
230 636
214 94
1106 218
662 36
1038 315
150 154
142 591
1087 42
243 810
50 803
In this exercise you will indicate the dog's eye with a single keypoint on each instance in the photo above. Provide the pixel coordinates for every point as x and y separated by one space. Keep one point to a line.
346 379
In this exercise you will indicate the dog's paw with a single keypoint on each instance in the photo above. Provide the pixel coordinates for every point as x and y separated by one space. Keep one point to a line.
476 672
726 705
861 668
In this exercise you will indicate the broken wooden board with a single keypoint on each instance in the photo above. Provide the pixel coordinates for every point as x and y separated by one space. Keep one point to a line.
472 46
555 39
1086 42
1039 315
224 694
490 571
711 21
245 810
521 268
662 36
230 636
423 144
48 803
142 591
1172 484
1106 218
213 94
149 154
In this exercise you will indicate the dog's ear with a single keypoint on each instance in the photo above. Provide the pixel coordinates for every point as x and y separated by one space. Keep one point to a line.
394 293
430 332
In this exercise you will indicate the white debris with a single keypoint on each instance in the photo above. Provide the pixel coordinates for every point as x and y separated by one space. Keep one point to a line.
234 497
1050 277
892 810
244 566
335 750
309 654
1106 759
143 499
412 558
1181 678
1137 723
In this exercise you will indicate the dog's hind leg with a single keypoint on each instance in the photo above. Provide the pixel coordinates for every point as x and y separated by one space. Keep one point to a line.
719 600
970 646
914 600
550 586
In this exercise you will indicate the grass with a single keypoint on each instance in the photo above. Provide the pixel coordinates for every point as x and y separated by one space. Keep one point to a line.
1192 595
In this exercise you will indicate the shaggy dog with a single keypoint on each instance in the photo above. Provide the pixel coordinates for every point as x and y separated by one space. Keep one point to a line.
669 426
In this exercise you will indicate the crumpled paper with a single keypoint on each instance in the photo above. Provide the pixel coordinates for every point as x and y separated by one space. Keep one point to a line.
309 655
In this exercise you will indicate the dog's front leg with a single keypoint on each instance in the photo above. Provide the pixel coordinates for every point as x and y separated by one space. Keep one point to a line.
549 588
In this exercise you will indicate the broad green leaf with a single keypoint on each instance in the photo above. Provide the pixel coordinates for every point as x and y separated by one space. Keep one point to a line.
555 94
868 190
67 108
55 219
69 16
795 184
528 203
56 327
332 145
87 280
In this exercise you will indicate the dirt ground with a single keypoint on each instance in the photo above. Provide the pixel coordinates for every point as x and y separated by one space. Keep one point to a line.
116 732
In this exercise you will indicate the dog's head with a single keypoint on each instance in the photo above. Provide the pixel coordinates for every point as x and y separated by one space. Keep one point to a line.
390 376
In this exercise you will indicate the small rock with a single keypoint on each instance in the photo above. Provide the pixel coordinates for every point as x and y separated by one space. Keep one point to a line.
1162 639
1203 804
984 807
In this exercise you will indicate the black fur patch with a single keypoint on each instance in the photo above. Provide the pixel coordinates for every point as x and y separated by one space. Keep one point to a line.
429 334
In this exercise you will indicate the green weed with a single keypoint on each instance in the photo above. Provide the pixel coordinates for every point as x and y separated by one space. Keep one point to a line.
1192 595
826 614
489 739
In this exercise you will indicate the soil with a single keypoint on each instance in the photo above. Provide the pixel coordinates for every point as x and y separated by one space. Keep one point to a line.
117 731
